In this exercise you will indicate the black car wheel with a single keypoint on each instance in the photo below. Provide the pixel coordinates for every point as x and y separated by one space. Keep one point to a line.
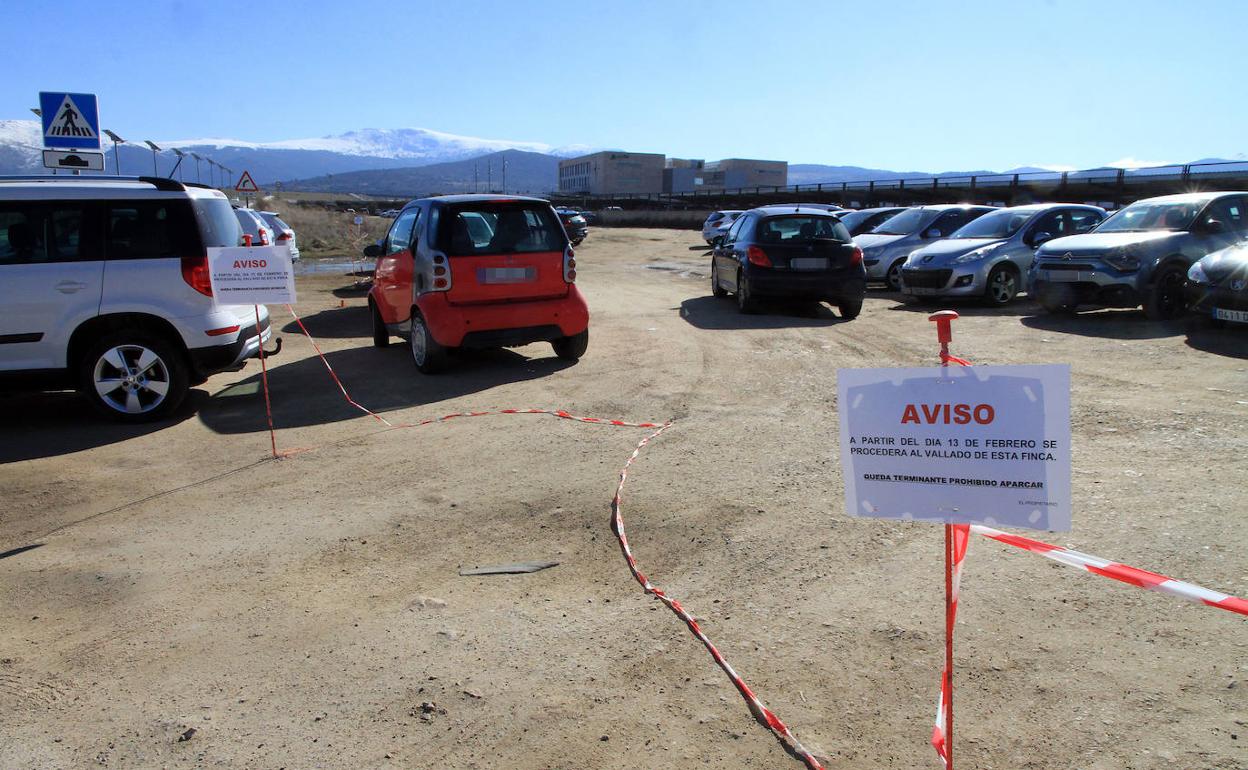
1165 300
745 299
716 289
381 335
428 356
571 348
850 309
1002 286
894 275
133 376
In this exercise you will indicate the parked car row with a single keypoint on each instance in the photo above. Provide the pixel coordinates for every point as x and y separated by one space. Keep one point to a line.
1164 254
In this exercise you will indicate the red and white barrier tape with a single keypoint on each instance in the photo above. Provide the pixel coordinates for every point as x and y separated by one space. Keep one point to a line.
763 714
961 540
1149 581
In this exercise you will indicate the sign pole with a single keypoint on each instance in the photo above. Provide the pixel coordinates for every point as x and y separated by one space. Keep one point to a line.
944 333
264 376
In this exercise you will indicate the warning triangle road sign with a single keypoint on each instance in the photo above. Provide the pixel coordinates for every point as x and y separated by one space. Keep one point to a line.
246 183
70 123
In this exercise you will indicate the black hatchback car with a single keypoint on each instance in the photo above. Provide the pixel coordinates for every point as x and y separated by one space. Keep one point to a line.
1217 286
793 253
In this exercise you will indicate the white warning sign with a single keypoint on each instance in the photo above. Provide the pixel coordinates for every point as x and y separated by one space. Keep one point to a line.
252 275
70 122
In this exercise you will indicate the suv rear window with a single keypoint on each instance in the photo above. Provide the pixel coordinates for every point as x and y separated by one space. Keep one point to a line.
499 228
150 229
799 229
217 224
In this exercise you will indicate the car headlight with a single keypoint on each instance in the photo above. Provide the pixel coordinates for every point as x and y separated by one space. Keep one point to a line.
1122 261
973 256
1196 274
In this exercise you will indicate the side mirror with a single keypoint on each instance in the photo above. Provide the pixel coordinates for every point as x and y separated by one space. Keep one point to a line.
717 241
372 250
932 233
1040 238
1213 226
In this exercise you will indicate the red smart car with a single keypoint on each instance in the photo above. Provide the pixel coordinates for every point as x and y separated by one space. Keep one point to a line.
477 271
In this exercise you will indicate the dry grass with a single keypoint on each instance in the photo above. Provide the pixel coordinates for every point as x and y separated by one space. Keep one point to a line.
325 233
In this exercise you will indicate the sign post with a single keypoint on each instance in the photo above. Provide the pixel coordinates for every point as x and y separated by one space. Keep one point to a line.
985 445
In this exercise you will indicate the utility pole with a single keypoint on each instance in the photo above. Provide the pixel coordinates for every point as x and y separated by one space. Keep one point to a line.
504 175
489 176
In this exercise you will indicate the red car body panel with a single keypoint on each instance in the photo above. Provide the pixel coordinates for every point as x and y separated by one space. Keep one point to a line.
448 322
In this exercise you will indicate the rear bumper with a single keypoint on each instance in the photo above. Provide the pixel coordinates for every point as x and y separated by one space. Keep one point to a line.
482 325
207 361
833 285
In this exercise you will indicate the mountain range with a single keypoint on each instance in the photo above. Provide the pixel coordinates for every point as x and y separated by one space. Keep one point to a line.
393 162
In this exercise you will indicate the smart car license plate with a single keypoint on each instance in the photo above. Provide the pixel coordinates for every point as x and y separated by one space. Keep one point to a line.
506 275
1239 316
809 263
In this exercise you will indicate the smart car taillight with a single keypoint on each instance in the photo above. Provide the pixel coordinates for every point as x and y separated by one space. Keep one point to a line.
569 266
441 273
856 257
195 273
757 256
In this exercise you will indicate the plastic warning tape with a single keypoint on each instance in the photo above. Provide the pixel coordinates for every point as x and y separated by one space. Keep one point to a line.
763 714
940 742
1149 581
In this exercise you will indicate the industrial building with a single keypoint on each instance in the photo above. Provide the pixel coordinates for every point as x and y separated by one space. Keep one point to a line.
681 176
609 173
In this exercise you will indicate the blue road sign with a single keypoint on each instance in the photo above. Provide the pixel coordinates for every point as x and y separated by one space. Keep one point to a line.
70 121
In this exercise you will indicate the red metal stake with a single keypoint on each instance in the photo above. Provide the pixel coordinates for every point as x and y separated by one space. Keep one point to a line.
944 332
264 376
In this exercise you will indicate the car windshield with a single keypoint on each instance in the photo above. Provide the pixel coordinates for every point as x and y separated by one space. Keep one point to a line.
217 224
1152 215
909 221
998 224
853 219
499 228
800 229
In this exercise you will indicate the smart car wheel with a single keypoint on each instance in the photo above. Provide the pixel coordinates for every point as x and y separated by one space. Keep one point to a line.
428 356
133 377
381 335
1165 301
894 275
745 298
716 289
571 348
1002 286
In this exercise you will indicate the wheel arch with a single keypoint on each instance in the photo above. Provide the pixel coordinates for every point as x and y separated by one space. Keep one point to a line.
99 326
1166 262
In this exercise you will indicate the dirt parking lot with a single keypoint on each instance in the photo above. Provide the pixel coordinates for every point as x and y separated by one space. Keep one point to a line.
168 598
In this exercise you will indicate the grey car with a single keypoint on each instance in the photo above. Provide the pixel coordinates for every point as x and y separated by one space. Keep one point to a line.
884 249
1140 255
863 221
990 256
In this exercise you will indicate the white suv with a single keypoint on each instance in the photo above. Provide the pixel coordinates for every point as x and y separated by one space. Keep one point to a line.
104 288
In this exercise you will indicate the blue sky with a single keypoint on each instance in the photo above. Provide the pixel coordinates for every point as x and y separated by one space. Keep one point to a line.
900 85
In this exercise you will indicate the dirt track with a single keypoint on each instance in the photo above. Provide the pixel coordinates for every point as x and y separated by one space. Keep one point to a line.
298 613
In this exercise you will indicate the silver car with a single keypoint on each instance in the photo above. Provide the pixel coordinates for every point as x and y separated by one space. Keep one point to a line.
884 249
990 257
718 223
1140 255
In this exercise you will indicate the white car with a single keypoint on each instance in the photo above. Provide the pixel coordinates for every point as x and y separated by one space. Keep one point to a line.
104 287
285 234
718 223
254 226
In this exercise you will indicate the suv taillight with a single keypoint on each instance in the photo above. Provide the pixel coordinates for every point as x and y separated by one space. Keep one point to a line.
441 273
569 266
264 237
195 273
285 236
757 256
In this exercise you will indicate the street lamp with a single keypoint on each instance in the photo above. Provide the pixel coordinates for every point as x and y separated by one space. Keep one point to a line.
197 158
116 155
38 112
155 150
180 155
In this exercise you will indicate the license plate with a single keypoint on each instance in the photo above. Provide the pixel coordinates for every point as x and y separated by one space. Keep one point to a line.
809 263
1063 276
506 275
1239 316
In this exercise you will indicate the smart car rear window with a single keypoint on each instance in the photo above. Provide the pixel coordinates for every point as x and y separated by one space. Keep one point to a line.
498 228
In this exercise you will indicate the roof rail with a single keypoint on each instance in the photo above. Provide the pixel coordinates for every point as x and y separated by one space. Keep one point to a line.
163 184
200 185
160 183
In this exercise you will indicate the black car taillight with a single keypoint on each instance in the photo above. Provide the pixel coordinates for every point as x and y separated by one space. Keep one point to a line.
757 256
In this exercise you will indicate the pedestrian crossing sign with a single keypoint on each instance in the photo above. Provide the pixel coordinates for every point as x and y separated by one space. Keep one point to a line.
70 121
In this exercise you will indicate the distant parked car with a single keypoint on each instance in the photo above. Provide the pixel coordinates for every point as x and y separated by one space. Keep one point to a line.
1139 256
284 234
718 223
885 248
253 225
801 207
791 254
589 216
989 257
1217 285
864 221
575 225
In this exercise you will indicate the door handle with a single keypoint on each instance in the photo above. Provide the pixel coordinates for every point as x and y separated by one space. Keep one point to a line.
69 287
